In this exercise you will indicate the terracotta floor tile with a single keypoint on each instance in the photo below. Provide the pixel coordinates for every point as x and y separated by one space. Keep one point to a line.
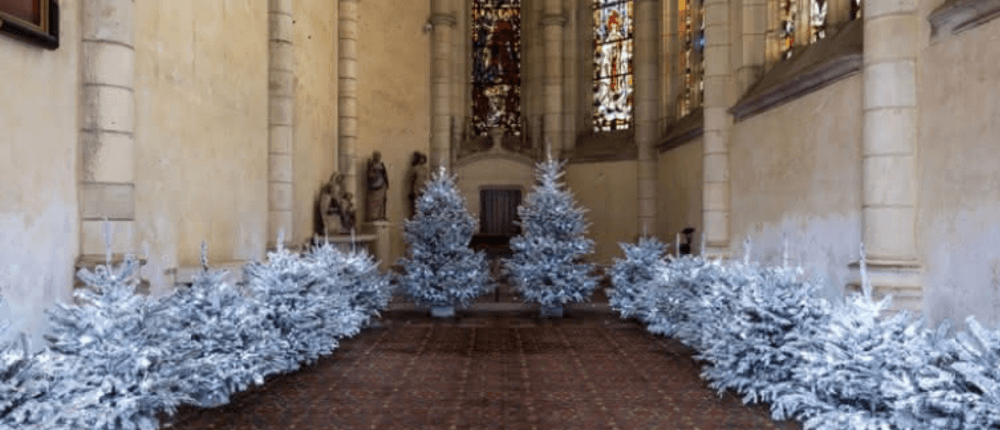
483 371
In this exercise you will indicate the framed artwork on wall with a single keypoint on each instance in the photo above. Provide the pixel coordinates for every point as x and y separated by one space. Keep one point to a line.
34 21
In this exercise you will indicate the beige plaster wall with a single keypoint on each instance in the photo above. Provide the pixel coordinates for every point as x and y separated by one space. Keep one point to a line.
679 192
958 181
39 222
315 147
796 173
201 132
609 192
393 99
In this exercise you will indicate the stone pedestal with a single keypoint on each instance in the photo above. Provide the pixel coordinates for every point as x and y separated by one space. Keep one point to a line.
380 231
345 242
442 311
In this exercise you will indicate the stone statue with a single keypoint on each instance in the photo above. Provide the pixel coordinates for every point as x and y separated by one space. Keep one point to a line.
336 207
378 184
418 177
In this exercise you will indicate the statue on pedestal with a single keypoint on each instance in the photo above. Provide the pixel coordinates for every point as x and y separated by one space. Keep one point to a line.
336 207
418 176
378 184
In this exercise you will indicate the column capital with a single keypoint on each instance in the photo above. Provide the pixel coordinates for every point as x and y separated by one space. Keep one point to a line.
447 19
557 19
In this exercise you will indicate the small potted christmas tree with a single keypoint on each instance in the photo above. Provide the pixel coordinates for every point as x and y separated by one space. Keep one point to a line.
545 267
442 271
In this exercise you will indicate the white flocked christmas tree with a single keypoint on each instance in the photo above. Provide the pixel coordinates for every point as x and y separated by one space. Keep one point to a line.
546 266
441 269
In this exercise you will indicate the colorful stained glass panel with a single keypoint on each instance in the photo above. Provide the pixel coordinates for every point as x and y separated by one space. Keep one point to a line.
613 36
787 15
496 65
817 19
613 103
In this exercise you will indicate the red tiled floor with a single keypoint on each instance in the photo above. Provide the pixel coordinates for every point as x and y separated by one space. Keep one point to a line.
509 371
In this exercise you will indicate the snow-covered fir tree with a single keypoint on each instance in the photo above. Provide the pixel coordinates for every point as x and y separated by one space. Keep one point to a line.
755 355
297 299
223 340
634 277
356 274
107 364
545 267
20 378
441 269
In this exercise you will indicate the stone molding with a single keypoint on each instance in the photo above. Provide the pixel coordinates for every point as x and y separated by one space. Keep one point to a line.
557 19
813 67
956 16
443 19
593 147
682 131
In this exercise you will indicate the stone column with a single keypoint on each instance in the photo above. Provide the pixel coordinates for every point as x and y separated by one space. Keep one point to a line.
443 23
458 58
347 96
553 20
888 143
571 73
281 121
718 123
754 41
646 113
107 136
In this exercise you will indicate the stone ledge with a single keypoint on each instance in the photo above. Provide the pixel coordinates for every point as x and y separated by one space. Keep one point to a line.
593 147
810 68
956 16
683 131
901 279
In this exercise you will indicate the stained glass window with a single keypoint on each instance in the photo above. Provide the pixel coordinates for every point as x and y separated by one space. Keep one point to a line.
787 13
817 19
613 27
691 59
496 65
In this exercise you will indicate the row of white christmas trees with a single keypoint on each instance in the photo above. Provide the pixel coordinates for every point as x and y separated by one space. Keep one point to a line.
116 360
764 333
442 271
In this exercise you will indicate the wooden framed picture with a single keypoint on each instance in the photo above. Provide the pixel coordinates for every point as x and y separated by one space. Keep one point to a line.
35 21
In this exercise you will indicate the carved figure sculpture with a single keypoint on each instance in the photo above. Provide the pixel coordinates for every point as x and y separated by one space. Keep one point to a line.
378 184
336 206
418 177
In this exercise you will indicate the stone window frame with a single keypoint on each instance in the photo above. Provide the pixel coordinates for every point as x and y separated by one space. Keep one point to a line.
957 16
810 67
44 34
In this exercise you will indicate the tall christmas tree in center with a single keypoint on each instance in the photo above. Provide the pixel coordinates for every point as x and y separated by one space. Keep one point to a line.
546 267
442 270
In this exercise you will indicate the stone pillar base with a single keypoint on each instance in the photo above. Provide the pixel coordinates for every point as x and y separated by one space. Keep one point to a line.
902 279
381 231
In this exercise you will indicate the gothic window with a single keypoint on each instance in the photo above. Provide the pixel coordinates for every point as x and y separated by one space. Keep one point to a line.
613 27
691 59
787 14
855 9
496 65
817 19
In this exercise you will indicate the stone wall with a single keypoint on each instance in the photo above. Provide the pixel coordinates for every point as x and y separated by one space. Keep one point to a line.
796 172
39 228
957 179
609 192
679 189
315 148
393 100
201 132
